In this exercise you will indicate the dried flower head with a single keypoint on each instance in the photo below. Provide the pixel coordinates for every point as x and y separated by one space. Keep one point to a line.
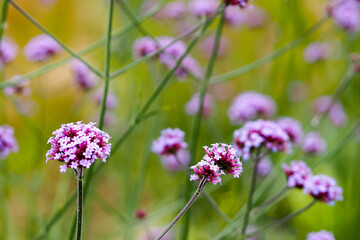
321 235
41 48
292 127
8 143
78 145
297 173
323 188
313 143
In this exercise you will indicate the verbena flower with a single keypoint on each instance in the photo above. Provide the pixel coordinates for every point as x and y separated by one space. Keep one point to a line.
240 3
201 8
313 143
20 89
175 10
254 17
83 76
335 110
193 106
261 133
323 188
111 99
41 48
8 51
292 127
207 170
144 46
78 145
321 235
316 51
8 143
250 105
172 149
297 173
346 14
264 166
234 16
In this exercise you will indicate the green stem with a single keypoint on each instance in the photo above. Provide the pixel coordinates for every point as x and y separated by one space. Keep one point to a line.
4 11
80 204
214 205
107 63
66 48
273 199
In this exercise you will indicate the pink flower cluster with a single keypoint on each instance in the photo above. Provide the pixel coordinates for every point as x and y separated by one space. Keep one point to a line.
201 8
172 149
334 110
250 17
193 106
261 133
8 51
250 105
169 56
292 127
313 143
297 173
321 235
41 48
323 188
20 89
83 76
78 145
316 51
346 14
219 159
8 143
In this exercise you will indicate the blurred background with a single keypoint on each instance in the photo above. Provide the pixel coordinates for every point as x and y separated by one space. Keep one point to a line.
32 191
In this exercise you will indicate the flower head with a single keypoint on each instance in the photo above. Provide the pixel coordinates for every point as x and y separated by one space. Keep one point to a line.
8 141
240 3
234 16
41 48
144 46
313 143
346 14
78 145
297 173
8 51
323 188
203 7
292 127
261 133
175 10
316 51
321 235
250 105
20 89
83 76
334 109
193 106
207 170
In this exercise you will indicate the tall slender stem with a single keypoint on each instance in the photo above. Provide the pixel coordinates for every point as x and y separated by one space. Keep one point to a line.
4 10
273 199
202 184
79 204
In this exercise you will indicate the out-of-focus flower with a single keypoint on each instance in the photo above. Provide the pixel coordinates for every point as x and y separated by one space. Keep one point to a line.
8 51
111 99
313 143
8 143
316 51
234 16
335 110
240 3
83 76
207 170
208 43
297 173
292 127
250 105
172 149
140 214
264 166
175 10
144 46
346 14
261 133
78 145
321 235
253 17
20 89
193 106
323 188
203 7
41 48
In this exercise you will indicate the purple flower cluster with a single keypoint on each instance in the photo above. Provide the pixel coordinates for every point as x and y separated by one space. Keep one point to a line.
169 57
83 76
334 110
297 173
250 17
175 10
261 133
321 235
250 105
41 48
313 143
292 127
316 51
201 8
8 51
219 159
20 89
240 3
323 188
8 143
346 14
78 145
193 106
172 149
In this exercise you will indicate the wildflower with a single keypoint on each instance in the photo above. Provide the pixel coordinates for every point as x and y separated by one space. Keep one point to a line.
250 105
111 99
20 89
292 127
234 16
172 149
321 235
41 48
8 51
240 3
297 173
8 141
83 76
193 106
323 188
264 166
144 46
334 109
78 145
261 133
175 10
207 170
253 17
313 143
203 7
346 14
140 214
316 51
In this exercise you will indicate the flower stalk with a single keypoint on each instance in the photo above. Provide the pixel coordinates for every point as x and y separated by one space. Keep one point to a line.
79 219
